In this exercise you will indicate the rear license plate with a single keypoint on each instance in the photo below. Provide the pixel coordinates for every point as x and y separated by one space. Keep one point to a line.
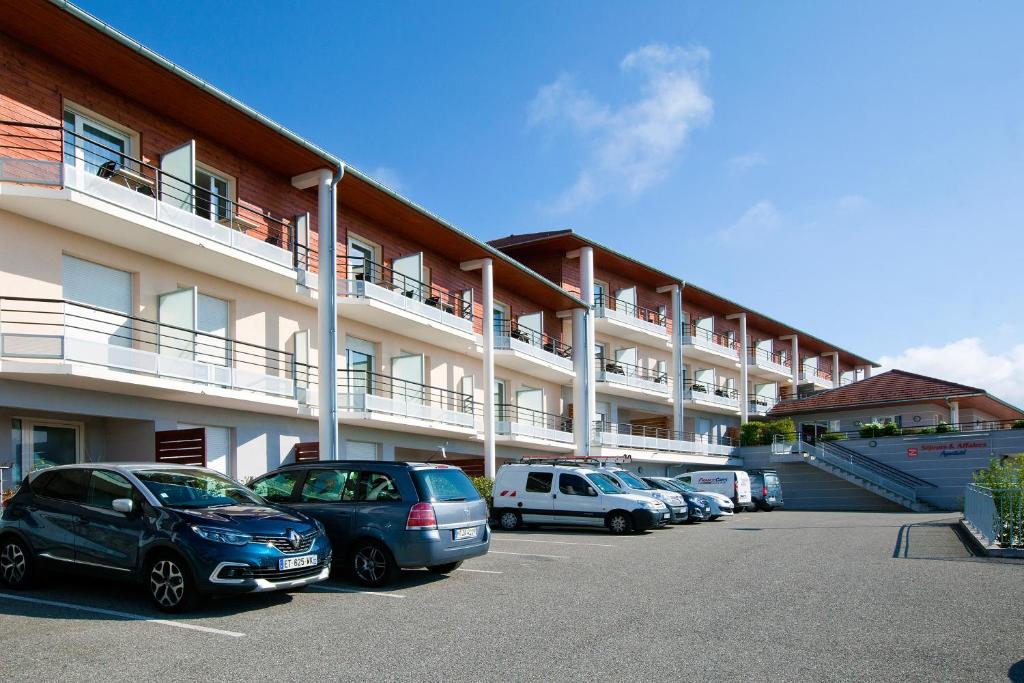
297 562
463 534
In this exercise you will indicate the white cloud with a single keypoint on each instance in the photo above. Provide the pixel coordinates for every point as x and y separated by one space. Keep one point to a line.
968 362
388 177
755 223
631 146
745 162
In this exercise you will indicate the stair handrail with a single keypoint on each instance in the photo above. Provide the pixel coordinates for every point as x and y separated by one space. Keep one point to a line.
895 473
857 470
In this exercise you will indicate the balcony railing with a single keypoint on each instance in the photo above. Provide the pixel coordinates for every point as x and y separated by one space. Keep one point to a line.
706 338
51 155
811 373
697 390
365 391
513 330
627 435
630 310
57 329
635 376
513 420
770 358
760 405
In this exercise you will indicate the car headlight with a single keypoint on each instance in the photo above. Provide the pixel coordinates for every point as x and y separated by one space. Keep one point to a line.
222 535
319 525
653 504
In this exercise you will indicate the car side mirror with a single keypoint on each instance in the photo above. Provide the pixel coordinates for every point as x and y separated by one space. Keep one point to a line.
123 505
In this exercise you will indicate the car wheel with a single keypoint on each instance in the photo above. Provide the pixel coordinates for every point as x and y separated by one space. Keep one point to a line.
768 508
16 569
620 523
444 568
170 584
372 564
510 521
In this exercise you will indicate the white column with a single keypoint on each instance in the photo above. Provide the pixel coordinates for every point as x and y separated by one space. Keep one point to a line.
587 294
954 412
678 368
867 372
486 267
580 392
744 364
327 315
836 374
794 355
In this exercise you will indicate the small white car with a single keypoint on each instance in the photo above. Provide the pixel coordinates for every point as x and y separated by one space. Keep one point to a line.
567 494
632 483
733 484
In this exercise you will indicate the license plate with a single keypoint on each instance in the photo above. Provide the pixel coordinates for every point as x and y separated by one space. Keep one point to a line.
297 562
665 516
463 534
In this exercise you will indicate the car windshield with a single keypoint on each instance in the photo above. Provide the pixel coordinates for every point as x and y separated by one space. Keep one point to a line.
673 485
195 489
632 481
604 483
684 486
444 485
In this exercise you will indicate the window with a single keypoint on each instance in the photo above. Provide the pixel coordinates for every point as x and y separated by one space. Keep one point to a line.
539 482
106 487
377 487
329 486
444 485
362 255
500 392
98 286
218 447
599 351
277 488
574 485
600 293
630 480
661 368
91 145
359 358
67 485
466 304
502 314
212 317
362 450
604 483
213 195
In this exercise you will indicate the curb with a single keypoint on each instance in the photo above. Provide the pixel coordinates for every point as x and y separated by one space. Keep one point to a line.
979 545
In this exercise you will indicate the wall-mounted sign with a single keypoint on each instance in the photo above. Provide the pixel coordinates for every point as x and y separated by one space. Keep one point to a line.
911 452
953 448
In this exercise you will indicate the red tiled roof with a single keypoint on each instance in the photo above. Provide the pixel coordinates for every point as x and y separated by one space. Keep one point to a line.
894 386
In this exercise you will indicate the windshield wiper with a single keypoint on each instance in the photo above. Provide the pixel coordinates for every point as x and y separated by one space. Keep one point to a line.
452 500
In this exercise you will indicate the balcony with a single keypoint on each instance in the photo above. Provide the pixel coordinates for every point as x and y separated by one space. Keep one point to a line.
385 298
711 398
61 178
625 379
519 426
376 400
706 345
626 320
642 442
760 405
531 352
821 379
769 365
60 342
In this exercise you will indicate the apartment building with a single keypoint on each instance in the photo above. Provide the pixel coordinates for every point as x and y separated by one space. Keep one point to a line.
159 282
676 369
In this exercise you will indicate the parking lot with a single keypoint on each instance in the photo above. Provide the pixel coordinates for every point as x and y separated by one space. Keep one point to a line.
780 595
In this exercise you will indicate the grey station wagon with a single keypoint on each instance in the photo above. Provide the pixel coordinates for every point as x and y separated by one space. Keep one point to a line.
385 516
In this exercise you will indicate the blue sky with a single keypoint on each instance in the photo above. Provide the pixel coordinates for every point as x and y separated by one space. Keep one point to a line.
854 169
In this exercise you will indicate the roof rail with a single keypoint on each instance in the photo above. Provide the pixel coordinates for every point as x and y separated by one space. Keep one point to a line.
571 460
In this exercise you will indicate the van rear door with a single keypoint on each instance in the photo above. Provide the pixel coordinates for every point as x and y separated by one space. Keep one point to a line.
742 486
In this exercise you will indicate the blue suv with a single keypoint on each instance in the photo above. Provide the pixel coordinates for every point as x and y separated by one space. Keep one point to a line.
386 516
181 531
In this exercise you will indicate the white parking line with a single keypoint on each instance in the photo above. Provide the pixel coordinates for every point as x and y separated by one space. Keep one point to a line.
555 557
535 540
478 571
356 590
125 615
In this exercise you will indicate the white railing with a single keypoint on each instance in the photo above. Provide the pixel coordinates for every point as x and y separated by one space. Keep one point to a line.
997 515
506 343
401 407
371 291
525 429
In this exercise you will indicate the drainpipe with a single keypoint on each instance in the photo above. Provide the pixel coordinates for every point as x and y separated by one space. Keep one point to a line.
327 309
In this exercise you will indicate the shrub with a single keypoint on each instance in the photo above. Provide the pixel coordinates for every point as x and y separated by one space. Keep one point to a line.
764 433
485 487
944 428
752 434
1018 424
870 430
1005 478
833 436
890 429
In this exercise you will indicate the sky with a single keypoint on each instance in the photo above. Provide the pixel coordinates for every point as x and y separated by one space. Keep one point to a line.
853 169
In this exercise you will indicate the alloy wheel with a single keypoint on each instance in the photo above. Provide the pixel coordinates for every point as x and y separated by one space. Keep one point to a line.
370 564
12 564
619 524
509 521
167 583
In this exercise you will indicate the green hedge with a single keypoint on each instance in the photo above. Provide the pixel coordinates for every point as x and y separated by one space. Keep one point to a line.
833 436
485 487
763 433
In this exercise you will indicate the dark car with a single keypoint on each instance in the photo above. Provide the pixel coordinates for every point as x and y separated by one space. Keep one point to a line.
765 489
680 515
386 516
697 508
181 531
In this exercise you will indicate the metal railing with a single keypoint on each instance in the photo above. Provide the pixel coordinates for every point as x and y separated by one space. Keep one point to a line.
762 403
775 357
816 372
652 432
614 367
352 268
355 382
997 515
507 412
691 330
41 149
699 387
649 315
59 328
513 330
876 431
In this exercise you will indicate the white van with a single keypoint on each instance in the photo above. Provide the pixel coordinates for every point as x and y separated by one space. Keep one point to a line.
526 493
733 484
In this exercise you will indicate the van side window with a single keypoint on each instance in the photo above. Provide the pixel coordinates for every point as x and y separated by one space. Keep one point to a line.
573 485
329 486
539 482
377 487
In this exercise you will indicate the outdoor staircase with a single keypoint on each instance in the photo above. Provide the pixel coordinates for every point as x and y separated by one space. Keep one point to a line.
871 475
